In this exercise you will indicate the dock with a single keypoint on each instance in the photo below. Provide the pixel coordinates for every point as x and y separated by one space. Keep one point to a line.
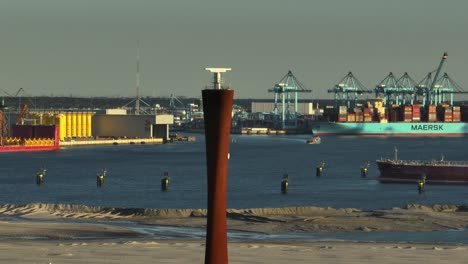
127 141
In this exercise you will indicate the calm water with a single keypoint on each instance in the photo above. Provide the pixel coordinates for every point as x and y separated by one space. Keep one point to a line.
255 170
256 167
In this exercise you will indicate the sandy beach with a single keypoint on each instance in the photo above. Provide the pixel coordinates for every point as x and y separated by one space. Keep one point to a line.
47 233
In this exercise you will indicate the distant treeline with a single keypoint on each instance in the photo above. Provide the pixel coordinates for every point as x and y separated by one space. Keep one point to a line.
47 102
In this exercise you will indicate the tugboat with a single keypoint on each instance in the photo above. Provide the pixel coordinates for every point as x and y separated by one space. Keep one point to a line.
432 171
314 140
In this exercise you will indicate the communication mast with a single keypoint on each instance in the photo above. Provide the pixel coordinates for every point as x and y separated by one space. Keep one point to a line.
138 99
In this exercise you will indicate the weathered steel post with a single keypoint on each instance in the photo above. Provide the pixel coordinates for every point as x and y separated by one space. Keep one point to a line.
217 109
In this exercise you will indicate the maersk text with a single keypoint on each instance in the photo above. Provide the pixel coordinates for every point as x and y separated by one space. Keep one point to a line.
427 127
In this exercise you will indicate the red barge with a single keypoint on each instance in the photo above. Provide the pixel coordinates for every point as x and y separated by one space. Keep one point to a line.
28 138
412 171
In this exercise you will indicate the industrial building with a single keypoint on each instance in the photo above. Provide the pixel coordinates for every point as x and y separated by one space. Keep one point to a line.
132 126
111 123
269 107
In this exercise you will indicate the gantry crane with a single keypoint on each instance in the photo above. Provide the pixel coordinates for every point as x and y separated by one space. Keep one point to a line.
286 91
389 89
445 85
348 90
406 89
422 89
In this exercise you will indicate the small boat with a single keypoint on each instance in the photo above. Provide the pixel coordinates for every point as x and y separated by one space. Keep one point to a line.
314 140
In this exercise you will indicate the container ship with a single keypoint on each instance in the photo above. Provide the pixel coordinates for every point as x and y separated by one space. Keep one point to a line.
393 112
401 120
432 171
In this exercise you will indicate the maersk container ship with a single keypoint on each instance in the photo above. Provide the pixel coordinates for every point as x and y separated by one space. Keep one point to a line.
395 120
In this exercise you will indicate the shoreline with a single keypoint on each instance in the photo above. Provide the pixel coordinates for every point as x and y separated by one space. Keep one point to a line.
54 233
411 218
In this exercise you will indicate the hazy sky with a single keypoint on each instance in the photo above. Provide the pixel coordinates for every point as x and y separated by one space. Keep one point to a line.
88 47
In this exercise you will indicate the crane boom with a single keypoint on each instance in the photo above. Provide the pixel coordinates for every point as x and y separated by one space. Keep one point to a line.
21 115
439 69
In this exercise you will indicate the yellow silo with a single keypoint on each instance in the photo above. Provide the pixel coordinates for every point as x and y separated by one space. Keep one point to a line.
89 124
69 125
78 124
84 128
73 125
63 126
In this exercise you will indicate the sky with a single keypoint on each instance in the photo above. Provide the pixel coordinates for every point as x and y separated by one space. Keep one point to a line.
88 47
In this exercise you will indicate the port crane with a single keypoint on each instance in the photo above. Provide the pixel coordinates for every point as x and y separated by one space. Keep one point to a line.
348 90
389 89
433 94
434 90
422 89
407 89
445 85
397 91
286 96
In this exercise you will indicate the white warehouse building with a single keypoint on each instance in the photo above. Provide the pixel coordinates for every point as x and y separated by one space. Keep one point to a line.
268 107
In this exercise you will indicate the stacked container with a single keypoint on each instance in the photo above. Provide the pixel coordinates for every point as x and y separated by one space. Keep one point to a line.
456 114
393 113
351 117
448 114
432 114
416 113
359 115
368 113
342 113
407 113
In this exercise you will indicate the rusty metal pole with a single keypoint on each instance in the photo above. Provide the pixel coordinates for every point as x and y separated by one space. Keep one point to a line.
217 108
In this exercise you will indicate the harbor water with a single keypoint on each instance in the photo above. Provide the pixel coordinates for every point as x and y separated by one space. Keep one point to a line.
256 168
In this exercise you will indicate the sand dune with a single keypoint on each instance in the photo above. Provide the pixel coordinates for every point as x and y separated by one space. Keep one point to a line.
306 219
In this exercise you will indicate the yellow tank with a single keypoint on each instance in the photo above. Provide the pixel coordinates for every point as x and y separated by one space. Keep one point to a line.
78 124
89 124
69 125
73 125
84 121
63 126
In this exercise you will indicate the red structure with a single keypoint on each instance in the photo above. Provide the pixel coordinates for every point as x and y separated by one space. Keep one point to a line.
217 108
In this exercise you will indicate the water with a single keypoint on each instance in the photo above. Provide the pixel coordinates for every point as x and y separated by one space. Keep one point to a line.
255 170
